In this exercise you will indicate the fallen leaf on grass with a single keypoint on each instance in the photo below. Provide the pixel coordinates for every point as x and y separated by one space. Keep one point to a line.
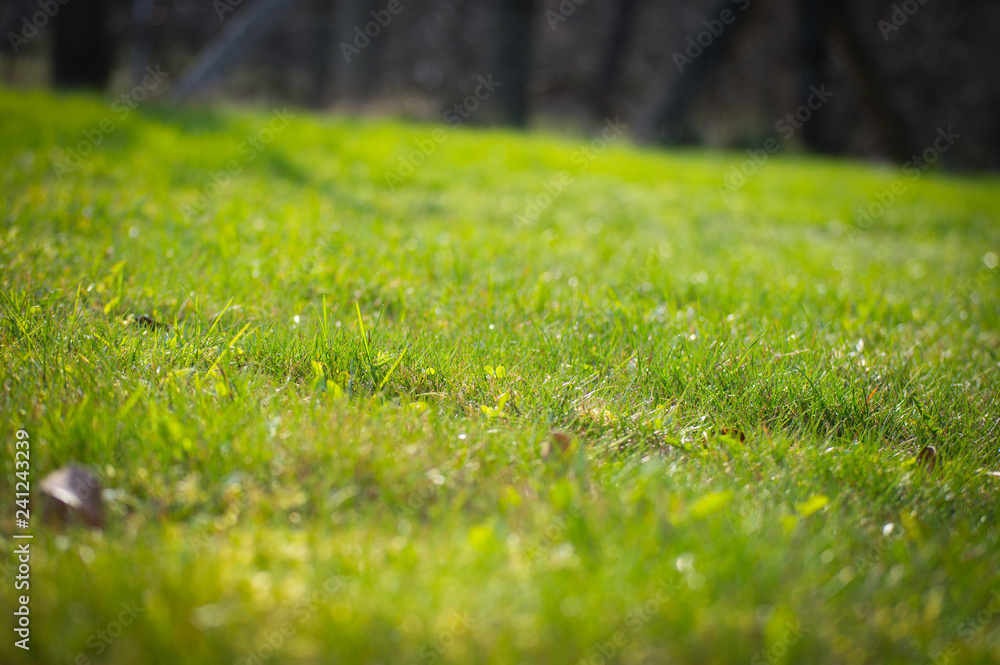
73 489
928 457
732 433
558 442
149 322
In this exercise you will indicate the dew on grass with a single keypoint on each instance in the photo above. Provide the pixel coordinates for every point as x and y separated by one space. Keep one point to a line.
208 616
87 554
562 552
685 562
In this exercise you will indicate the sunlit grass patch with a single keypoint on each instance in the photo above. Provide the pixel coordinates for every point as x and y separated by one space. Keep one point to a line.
337 421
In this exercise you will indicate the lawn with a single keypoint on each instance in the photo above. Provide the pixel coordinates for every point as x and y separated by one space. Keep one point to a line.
367 391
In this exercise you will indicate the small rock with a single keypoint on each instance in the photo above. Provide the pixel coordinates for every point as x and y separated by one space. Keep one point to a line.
73 489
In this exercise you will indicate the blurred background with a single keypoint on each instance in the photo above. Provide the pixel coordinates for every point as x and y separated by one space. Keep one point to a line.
717 73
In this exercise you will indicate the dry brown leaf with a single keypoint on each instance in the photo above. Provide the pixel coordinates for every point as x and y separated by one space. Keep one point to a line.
928 457
558 441
149 322
73 489
732 433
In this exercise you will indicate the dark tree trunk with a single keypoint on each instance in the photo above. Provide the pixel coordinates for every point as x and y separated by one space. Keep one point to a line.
238 34
513 46
668 121
359 53
814 29
613 56
818 21
325 52
82 54
889 119
142 37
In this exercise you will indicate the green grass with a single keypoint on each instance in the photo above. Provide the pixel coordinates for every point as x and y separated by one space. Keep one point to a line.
269 443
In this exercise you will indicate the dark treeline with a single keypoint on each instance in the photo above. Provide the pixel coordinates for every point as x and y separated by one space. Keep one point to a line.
730 73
